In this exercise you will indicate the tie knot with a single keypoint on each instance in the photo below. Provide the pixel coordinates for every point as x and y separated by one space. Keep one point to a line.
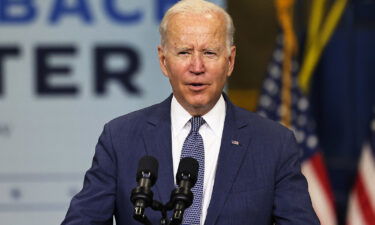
196 123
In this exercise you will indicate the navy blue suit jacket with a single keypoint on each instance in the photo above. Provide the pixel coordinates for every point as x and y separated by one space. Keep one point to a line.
257 182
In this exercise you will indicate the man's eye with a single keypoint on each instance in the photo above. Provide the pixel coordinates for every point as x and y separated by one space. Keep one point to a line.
210 53
183 53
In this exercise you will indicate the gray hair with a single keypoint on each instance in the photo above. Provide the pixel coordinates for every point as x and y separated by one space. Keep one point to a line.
196 7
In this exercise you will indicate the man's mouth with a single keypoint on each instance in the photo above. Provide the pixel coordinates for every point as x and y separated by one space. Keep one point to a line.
197 86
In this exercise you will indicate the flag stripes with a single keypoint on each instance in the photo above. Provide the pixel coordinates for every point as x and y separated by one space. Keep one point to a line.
302 124
362 200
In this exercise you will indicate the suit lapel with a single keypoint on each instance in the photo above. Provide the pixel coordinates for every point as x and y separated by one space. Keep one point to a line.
157 139
232 152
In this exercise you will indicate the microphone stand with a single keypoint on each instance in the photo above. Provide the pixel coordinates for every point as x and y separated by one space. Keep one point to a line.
181 197
139 213
144 220
158 206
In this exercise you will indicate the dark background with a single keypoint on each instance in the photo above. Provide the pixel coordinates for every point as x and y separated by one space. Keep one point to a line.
343 85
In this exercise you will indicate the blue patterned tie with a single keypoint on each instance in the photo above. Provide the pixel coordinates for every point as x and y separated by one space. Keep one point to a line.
193 147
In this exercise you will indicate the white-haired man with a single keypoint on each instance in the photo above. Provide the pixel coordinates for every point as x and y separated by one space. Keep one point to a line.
249 171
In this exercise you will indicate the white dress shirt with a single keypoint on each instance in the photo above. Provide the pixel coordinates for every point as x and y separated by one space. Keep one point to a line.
211 132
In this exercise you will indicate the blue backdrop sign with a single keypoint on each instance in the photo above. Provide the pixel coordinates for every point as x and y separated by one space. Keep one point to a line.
66 68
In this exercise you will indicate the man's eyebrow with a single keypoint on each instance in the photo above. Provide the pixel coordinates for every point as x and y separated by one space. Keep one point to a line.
212 49
183 48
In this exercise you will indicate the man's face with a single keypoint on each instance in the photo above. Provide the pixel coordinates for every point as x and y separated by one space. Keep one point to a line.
196 59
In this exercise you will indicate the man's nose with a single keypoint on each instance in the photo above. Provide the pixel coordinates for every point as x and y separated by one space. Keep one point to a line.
197 64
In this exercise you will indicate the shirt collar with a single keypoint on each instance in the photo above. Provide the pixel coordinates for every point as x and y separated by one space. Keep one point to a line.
179 116
215 117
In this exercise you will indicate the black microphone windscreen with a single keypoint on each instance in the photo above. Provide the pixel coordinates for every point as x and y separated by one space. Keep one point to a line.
188 167
148 165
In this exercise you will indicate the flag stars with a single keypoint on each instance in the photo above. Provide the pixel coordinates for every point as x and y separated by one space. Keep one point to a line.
281 110
312 141
274 70
303 104
265 101
271 105
300 136
271 87
278 55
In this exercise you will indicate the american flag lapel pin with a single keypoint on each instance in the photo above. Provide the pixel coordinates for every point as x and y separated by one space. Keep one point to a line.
234 142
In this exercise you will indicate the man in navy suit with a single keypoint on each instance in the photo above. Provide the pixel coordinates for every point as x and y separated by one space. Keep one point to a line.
251 171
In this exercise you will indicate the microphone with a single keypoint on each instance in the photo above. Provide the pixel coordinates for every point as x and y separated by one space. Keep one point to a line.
182 197
142 196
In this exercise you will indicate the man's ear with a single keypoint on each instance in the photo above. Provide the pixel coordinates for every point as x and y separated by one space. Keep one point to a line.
162 60
231 59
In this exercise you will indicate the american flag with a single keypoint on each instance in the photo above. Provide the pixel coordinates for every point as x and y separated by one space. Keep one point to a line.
303 126
361 210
